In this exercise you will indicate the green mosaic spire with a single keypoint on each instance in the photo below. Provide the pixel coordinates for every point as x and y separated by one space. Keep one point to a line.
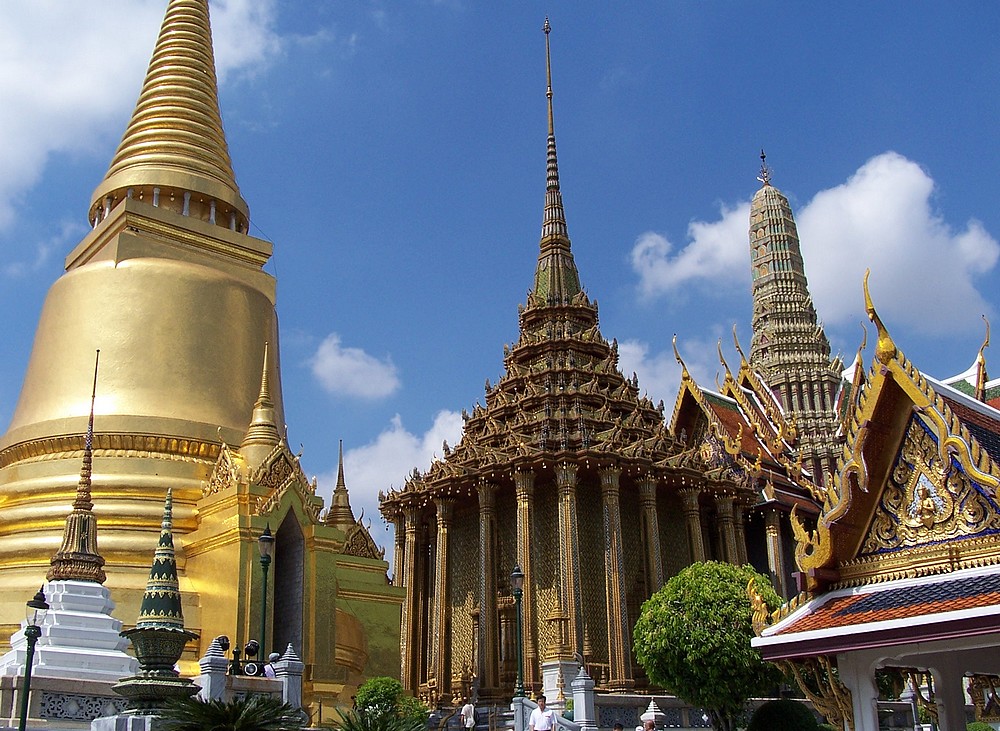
161 602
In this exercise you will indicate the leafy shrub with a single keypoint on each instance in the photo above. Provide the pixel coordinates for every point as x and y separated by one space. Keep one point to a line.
978 726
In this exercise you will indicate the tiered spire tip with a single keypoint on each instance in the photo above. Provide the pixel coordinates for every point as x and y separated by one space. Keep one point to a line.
174 146
77 558
161 602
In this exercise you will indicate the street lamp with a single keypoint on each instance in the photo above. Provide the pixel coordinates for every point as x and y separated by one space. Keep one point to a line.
265 545
35 614
517 586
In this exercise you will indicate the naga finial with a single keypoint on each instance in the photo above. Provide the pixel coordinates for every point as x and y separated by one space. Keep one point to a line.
885 348
684 370
736 342
981 376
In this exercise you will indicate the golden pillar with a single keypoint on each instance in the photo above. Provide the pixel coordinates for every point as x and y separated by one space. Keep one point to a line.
651 533
440 636
488 638
619 656
692 515
409 639
775 554
739 518
524 483
569 554
399 524
727 531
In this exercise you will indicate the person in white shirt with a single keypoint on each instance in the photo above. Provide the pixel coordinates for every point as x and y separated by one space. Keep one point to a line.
542 719
468 714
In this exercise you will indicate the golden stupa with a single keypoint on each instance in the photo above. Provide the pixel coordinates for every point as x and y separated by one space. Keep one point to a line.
170 287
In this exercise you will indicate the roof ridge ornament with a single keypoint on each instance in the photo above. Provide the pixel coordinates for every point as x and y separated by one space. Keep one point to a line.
981 376
885 348
765 171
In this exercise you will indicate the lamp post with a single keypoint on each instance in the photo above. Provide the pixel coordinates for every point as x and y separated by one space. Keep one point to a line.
36 609
265 545
517 586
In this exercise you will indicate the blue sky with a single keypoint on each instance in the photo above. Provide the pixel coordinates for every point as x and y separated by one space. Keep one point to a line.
394 153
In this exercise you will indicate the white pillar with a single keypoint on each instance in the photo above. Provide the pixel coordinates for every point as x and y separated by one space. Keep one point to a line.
949 694
858 674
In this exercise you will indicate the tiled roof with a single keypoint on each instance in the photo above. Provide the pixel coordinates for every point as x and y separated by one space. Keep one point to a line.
900 603
984 429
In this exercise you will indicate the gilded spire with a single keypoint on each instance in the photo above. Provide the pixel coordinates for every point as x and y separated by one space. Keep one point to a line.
77 558
263 431
174 152
161 602
556 278
340 514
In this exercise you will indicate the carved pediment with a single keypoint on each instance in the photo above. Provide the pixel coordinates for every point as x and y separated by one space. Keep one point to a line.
280 472
359 542
226 473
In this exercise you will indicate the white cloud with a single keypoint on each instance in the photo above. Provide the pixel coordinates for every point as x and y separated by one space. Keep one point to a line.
386 462
715 251
351 371
69 80
881 218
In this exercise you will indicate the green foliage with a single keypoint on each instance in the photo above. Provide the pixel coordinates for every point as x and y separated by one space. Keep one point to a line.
356 721
693 638
890 683
783 715
978 726
828 727
251 713
382 699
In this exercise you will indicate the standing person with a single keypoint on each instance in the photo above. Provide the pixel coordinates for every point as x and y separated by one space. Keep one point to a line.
468 714
269 668
542 719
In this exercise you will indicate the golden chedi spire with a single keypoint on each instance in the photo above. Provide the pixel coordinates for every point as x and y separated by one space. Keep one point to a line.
556 278
172 289
77 558
340 514
263 435
174 150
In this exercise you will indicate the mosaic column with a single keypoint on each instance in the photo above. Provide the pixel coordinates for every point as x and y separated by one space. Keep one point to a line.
488 638
692 515
651 533
727 531
408 639
619 655
399 524
775 554
569 554
524 483
739 522
441 636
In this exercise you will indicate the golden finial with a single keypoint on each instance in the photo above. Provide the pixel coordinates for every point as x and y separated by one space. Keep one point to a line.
736 342
262 434
885 348
981 376
765 171
685 376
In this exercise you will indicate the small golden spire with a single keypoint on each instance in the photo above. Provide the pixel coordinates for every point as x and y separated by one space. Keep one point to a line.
765 171
262 435
885 348
77 558
174 146
546 28
981 375
340 514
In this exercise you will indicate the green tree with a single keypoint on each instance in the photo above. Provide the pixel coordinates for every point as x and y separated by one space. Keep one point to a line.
693 638
783 715
251 713
381 703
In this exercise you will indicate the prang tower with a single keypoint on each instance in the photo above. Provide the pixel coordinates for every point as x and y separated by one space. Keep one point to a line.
170 287
789 348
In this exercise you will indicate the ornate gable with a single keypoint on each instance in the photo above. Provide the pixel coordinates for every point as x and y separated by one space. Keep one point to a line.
360 543
279 473
915 492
